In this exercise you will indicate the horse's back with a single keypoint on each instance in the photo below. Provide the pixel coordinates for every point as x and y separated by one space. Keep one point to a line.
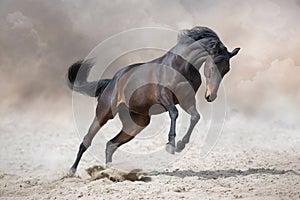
136 87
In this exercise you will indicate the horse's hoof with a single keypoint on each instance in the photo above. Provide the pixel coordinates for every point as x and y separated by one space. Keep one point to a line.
180 146
108 165
170 148
72 172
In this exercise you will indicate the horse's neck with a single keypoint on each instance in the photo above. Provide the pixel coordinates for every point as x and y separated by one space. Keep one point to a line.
194 53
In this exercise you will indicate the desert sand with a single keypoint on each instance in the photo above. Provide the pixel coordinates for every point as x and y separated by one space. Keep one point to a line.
257 162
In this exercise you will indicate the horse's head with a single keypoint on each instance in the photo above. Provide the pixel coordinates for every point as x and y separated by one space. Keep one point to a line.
203 45
216 66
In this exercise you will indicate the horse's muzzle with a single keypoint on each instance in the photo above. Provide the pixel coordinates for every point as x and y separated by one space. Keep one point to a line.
210 97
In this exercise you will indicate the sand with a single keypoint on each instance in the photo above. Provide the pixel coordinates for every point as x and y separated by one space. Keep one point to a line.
257 162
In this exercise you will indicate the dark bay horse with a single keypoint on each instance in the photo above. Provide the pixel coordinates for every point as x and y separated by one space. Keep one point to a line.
166 81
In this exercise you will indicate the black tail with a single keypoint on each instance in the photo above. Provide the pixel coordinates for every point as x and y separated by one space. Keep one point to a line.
77 79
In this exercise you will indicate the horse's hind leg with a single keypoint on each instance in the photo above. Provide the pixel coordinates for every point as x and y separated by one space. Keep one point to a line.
98 122
94 128
132 124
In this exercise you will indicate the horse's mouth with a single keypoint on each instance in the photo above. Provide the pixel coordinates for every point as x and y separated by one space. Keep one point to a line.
210 98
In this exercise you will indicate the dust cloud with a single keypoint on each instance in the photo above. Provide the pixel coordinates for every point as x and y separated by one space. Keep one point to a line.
40 39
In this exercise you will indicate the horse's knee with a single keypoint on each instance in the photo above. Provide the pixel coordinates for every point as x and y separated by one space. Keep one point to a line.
195 117
173 113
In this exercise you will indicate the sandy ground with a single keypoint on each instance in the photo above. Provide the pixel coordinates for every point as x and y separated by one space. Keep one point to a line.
257 162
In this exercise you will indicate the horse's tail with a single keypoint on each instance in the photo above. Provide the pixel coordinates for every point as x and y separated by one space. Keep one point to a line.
77 79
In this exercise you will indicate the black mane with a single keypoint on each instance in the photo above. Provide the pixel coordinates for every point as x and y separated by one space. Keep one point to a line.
197 33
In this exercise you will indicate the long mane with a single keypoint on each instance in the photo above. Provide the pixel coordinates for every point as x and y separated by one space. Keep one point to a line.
204 34
196 33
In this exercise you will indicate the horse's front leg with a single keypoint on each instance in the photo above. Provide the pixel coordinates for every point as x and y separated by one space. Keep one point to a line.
166 99
195 116
173 112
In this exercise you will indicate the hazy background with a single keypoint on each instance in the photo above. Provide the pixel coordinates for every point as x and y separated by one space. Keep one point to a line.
40 39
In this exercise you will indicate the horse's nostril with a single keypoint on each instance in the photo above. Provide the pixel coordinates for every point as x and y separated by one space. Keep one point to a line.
208 98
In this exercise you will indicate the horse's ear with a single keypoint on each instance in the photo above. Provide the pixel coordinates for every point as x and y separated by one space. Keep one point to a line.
234 52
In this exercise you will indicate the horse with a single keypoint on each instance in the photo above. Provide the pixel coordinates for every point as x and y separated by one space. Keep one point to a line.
134 90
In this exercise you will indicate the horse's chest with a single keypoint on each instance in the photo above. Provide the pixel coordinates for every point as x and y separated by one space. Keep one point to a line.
194 79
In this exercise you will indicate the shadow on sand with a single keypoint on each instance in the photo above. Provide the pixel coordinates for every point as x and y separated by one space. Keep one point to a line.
215 174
